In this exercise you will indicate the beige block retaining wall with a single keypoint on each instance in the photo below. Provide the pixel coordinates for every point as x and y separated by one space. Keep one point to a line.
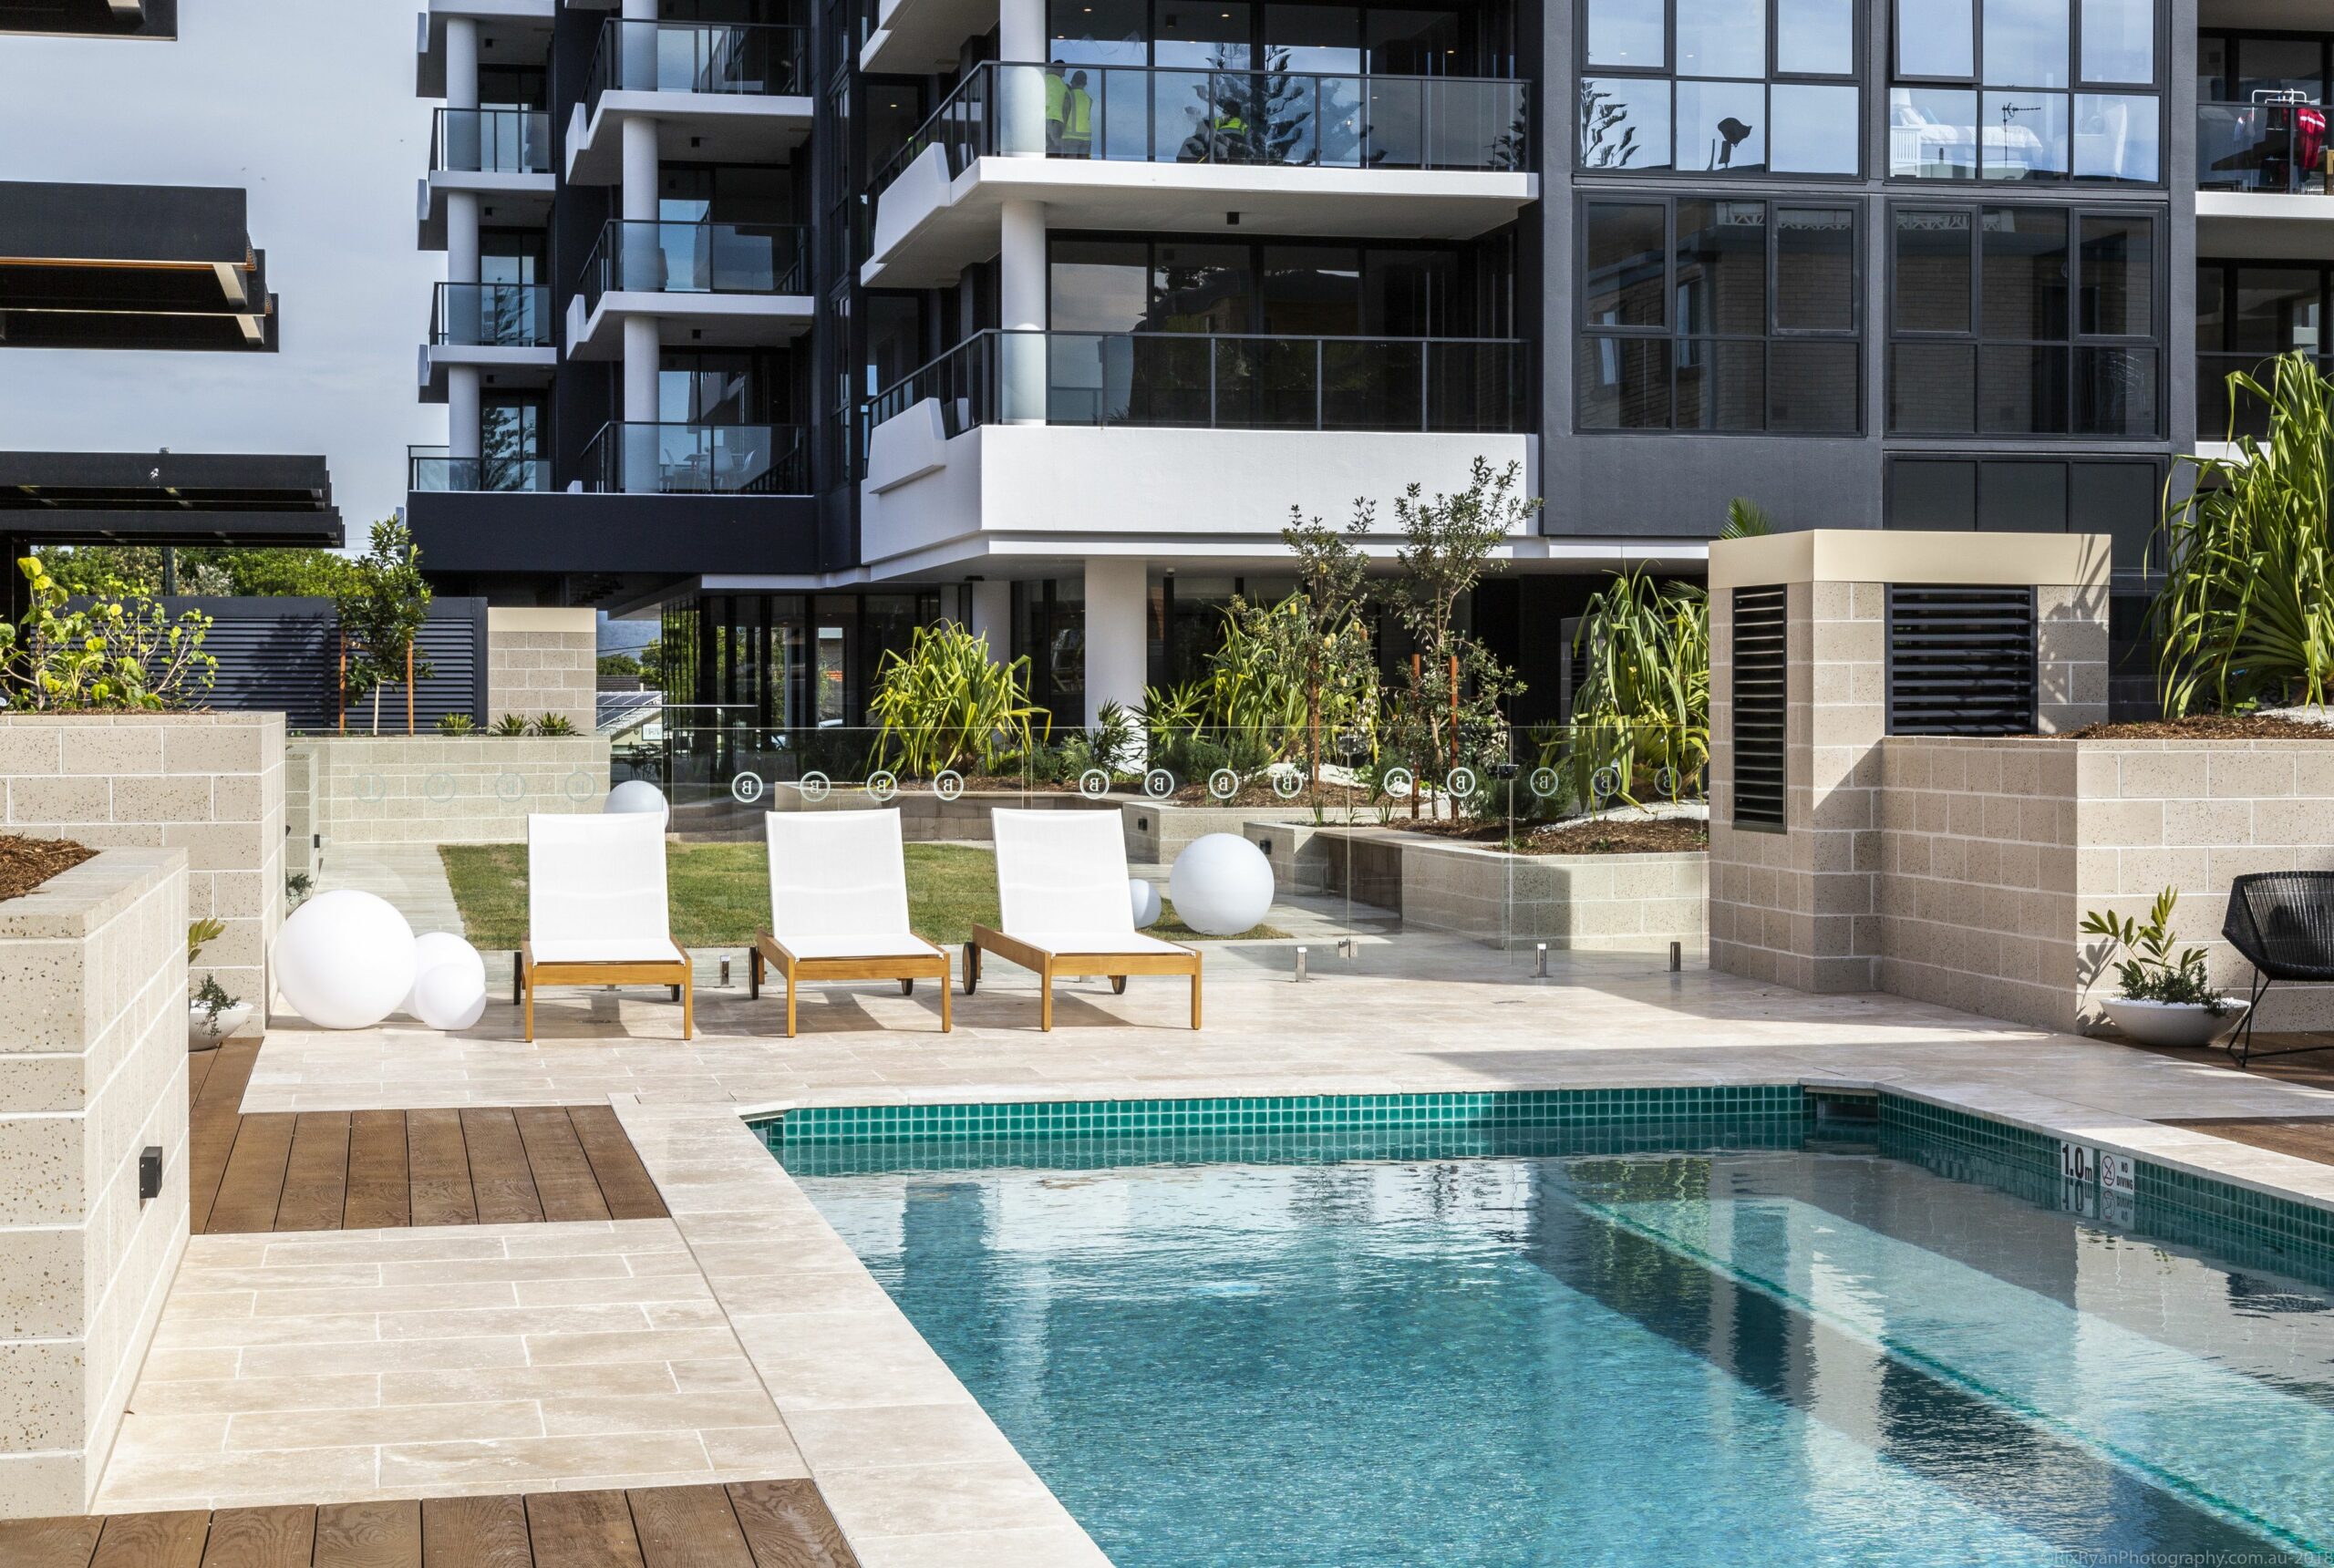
1991 850
1158 831
429 789
211 784
543 661
92 1071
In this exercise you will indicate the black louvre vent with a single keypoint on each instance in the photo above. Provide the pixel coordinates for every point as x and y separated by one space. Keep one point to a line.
1960 661
1758 637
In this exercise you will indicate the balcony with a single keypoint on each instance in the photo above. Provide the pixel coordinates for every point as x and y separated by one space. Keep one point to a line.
718 93
501 330
491 140
2262 173
1161 150
700 460
1005 442
428 468
723 284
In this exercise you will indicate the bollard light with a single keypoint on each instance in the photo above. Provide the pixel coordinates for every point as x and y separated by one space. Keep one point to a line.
1540 960
1677 957
1300 965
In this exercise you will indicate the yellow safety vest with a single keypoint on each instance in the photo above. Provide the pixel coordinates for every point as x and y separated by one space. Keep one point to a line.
1079 122
1055 89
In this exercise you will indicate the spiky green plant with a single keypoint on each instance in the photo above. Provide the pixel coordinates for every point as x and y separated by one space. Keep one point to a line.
2244 614
1746 519
1644 701
946 703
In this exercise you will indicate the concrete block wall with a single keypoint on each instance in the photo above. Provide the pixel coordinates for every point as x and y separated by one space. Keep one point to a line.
93 1064
543 661
208 783
431 789
1993 850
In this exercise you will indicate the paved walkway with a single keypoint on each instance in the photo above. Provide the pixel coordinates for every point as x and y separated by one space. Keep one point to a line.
411 876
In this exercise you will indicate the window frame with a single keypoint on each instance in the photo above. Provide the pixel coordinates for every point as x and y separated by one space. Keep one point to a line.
2076 339
1894 473
2077 87
1668 72
1670 330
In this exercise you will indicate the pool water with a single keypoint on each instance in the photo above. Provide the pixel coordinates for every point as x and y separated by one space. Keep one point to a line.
1810 1354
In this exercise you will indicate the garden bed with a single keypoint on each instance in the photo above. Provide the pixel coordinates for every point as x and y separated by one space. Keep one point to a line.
720 894
1604 836
26 864
2207 726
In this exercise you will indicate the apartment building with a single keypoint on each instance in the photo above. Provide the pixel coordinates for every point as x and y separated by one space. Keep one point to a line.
802 328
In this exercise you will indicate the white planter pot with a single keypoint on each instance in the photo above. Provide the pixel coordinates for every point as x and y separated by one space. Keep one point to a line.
2172 1023
199 1034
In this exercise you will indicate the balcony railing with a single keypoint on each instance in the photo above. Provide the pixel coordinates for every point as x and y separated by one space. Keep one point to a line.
700 460
430 469
696 57
696 258
491 140
1204 381
1293 118
2275 147
492 315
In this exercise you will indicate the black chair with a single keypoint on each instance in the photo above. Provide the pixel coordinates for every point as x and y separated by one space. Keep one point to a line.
2283 922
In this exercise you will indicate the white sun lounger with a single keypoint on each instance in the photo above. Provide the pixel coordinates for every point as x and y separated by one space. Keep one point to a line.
1061 889
839 907
595 909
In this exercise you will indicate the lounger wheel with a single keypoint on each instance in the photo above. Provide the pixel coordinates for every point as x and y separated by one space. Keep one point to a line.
907 986
1118 984
971 968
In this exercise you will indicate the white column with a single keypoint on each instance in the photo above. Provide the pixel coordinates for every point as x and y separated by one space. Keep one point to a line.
1021 87
639 455
461 411
462 62
462 236
993 617
1021 300
638 53
1117 623
639 167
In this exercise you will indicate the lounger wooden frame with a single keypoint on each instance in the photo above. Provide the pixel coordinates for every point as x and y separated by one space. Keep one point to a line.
907 968
1115 966
671 972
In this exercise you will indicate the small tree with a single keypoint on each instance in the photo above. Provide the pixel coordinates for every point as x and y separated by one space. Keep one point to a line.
1448 709
1316 635
382 609
120 652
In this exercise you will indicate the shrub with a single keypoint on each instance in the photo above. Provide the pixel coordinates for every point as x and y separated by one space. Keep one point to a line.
946 703
510 723
2154 972
550 724
112 655
457 724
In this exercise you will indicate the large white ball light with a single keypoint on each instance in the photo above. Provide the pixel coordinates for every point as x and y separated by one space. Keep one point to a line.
1222 884
448 981
637 795
345 960
1144 897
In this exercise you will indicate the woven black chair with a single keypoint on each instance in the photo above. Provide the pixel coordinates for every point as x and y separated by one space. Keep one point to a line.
2283 922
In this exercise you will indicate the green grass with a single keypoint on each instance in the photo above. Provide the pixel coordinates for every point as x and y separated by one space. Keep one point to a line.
720 894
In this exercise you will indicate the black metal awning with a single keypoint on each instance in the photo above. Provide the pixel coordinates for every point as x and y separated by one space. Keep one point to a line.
92 18
167 498
131 266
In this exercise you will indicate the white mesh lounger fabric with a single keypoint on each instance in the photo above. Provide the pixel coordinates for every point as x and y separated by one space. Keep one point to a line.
839 906
597 914
1062 891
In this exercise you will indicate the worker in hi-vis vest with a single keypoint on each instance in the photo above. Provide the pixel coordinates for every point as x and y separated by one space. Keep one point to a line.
1077 118
1057 100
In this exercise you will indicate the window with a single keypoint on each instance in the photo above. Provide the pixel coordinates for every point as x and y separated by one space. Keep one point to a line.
2261 122
2024 321
2026 89
1721 87
2121 498
1704 313
2246 315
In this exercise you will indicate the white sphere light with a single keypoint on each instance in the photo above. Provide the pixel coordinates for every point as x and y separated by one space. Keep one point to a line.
345 960
637 795
1144 896
1222 884
449 997
448 981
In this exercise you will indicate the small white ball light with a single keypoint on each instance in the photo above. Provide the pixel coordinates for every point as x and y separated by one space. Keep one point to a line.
1222 884
449 997
448 981
637 795
1144 896
345 960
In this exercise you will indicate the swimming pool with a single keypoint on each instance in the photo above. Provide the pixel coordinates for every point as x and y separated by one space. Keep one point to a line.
1761 1344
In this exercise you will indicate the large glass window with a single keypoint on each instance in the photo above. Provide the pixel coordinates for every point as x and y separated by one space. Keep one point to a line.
2246 315
1285 289
2025 321
1720 87
2026 89
2260 112
1705 313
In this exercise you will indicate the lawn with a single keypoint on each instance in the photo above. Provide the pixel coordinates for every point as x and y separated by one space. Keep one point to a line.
720 894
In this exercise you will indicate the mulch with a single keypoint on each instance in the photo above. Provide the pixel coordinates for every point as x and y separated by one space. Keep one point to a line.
1611 836
2207 726
26 864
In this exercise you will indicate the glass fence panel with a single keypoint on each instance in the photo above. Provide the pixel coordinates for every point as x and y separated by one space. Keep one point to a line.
440 472
2276 147
500 316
